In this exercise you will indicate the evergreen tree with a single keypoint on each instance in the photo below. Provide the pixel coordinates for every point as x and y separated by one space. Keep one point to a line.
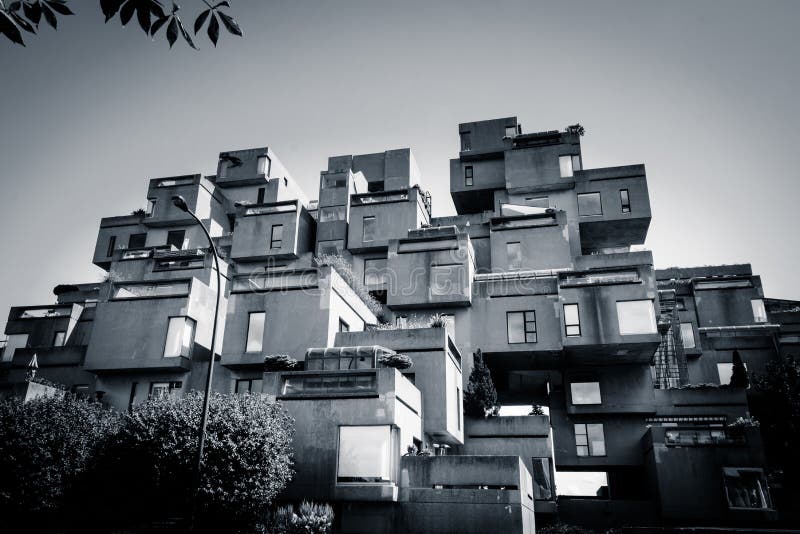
480 398
739 377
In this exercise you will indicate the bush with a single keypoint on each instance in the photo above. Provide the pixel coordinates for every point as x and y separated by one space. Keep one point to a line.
45 444
536 410
279 362
345 270
309 518
398 361
437 321
480 397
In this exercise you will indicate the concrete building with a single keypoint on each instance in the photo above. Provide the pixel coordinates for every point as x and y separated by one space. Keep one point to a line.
541 269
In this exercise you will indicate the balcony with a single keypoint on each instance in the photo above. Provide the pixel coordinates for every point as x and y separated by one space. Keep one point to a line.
68 355
277 230
199 195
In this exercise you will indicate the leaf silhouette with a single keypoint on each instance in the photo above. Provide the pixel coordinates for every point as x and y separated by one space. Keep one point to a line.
230 24
110 8
22 23
172 32
14 6
143 16
33 12
158 24
49 16
59 6
9 29
200 20
127 11
186 36
213 30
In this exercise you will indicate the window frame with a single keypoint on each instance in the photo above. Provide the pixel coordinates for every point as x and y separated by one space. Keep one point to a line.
112 245
368 221
392 462
654 320
173 233
599 203
63 339
525 323
266 168
589 447
577 325
275 244
469 176
690 329
262 191
759 319
625 200
562 167
518 249
247 338
249 382
188 351
572 393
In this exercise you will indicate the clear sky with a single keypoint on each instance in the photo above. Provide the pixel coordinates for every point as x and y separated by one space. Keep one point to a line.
703 93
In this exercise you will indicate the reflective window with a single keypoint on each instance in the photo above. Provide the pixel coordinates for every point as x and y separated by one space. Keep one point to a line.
59 339
466 141
365 454
332 213
759 312
180 336
376 272
521 326
160 390
572 320
248 385
542 475
175 238
582 483
636 317
334 247
276 237
14 342
468 175
585 392
725 371
687 335
589 440
746 488
625 200
255 331
514 256
565 166
368 229
329 384
589 204
576 163
264 165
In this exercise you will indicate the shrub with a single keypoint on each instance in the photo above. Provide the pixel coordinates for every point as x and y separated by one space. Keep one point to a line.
437 321
398 361
309 518
345 270
279 362
45 444
480 397
744 422
537 410
139 211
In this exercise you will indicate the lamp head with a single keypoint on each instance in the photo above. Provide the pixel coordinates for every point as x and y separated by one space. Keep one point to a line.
180 203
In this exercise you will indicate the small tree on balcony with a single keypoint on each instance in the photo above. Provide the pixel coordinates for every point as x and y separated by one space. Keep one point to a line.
739 377
480 398
279 362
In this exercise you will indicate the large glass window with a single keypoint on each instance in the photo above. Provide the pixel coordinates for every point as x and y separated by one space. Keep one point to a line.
332 213
365 454
445 280
636 317
589 204
582 483
746 488
255 331
585 392
514 255
542 475
759 312
572 320
521 326
466 141
180 337
160 390
687 335
368 233
376 272
565 166
264 165
276 236
248 385
590 440
511 131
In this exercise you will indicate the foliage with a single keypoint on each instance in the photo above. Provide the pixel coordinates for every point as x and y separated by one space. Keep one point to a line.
744 422
437 321
398 361
537 410
703 386
345 270
279 362
563 528
46 382
247 459
309 518
45 444
151 15
480 397
576 128
139 211
780 386
739 377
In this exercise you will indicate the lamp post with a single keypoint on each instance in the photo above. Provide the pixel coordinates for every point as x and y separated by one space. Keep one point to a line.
180 203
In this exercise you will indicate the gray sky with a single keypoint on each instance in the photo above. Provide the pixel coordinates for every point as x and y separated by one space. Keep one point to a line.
703 93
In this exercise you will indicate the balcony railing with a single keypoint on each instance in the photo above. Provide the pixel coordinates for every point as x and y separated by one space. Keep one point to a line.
327 383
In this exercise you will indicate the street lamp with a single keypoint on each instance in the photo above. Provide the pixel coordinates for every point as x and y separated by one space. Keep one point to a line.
180 203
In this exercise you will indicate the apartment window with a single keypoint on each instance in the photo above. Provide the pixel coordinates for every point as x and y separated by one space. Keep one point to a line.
542 475
582 483
445 280
59 338
151 207
137 240
334 246
365 454
590 440
264 165
332 213
636 317
466 141
376 272
521 327
687 335
255 331
159 390
511 131
180 337
112 244
14 342
625 200
514 256
468 176
572 320
261 192
759 312
175 238
746 488
248 385
330 181
725 371
537 202
276 236
576 163
343 326
368 229
458 406
565 166
589 204
585 393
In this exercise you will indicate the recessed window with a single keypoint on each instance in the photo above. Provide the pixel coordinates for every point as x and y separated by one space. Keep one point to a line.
365 454
466 141
759 312
511 131
636 317
565 166
112 244
343 326
572 320
261 192
332 181
625 200
332 213
445 280
159 390
175 238
589 205
59 338
334 246
582 483
521 327
276 237
14 342
468 176
459 408
137 240
590 440
746 488
537 202
264 165
585 392
725 372
514 256
151 207
180 337
376 272
687 335
255 331
542 475
576 163
248 385
368 229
